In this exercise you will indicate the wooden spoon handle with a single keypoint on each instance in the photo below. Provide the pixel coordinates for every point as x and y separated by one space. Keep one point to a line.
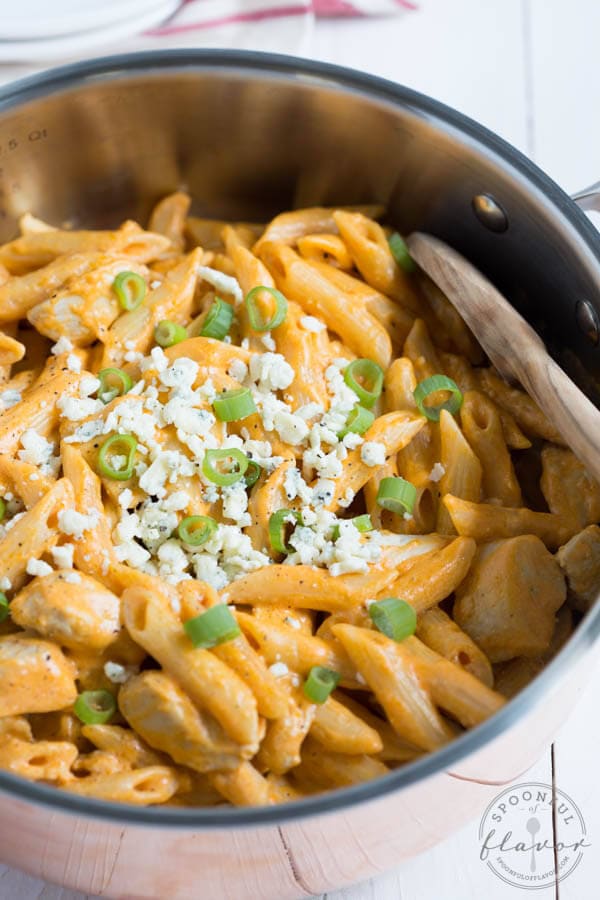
513 346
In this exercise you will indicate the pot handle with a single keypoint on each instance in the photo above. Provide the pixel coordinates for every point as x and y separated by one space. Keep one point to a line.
588 198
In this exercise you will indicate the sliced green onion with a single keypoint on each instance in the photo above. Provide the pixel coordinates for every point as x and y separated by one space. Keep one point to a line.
401 254
257 320
431 386
359 420
253 473
231 406
365 378
196 530
95 707
361 523
215 626
117 445
237 468
4 607
277 528
2 508
397 495
218 320
394 618
167 333
113 383
320 683
130 289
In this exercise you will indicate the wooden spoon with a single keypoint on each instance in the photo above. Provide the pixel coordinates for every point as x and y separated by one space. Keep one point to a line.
512 345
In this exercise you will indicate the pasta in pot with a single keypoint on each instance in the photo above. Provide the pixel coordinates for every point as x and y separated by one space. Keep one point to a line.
261 528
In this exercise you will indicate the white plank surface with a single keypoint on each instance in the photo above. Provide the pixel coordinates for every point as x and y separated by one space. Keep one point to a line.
529 70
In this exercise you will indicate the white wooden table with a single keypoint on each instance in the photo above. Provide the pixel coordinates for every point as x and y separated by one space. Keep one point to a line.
530 70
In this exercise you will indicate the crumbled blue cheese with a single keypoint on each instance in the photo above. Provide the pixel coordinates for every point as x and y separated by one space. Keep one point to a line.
290 428
327 465
9 398
38 451
271 371
352 440
75 524
372 453
62 556
125 498
172 562
268 342
86 432
73 363
71 577
238 370
279 669
311 323
133 554
156 360
75 409
63 345
294 486
37 567
235 504
5 583
117 673
225 284
346 500
323 492
88 385
310 411
437 473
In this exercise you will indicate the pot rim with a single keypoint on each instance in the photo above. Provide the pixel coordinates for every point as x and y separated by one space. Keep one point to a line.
342 79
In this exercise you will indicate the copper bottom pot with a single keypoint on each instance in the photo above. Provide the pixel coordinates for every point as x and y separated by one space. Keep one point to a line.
249 135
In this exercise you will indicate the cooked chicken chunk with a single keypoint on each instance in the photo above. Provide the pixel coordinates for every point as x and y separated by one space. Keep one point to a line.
77 613
86 307
579 559
35 676
158 710
508 602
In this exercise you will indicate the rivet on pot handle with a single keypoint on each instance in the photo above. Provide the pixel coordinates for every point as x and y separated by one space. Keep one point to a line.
588 198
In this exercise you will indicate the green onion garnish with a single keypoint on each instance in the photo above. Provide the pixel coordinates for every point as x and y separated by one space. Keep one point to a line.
2 508
397 495
113 383
320 683
362 524
253 473
401 254
394 618
257 320
430 386
167 333
231 406
359 420
215 626
237 468
117 445
365 378
218 320
130 289
196 530
4 607
95 707
277 528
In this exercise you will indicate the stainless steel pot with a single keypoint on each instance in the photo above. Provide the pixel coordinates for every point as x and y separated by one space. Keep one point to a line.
247 135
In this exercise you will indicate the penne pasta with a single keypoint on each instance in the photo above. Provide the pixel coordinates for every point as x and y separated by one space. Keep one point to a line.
246 558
